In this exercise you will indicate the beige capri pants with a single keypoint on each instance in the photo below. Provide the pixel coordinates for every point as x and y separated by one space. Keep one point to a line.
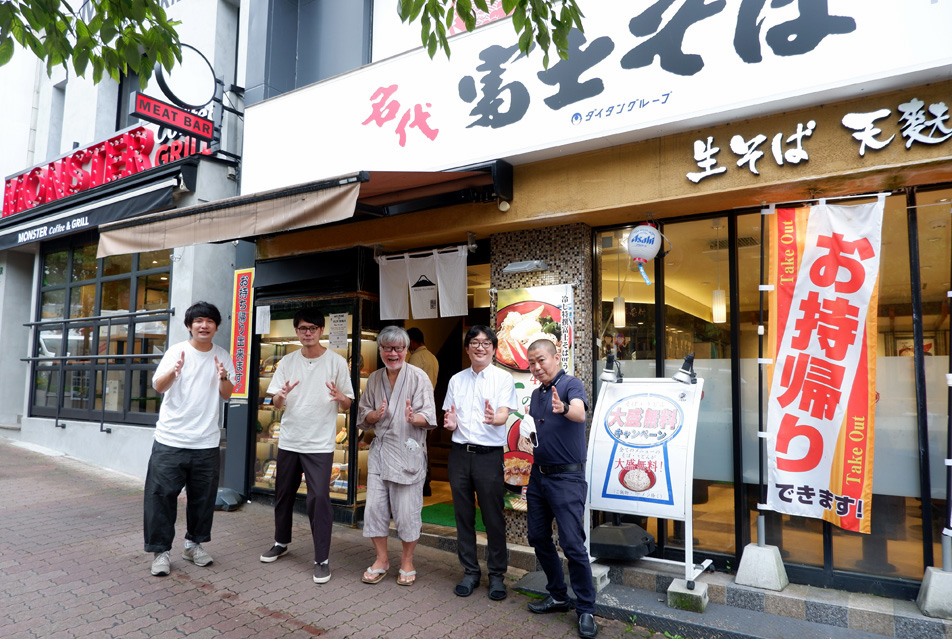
401 501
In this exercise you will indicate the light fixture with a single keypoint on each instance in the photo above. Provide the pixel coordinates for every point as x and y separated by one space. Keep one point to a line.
612 371
529 266
719 300
502 205
618 303
686 375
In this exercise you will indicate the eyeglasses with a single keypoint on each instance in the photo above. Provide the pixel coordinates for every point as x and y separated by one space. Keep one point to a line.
477 344
393 349
308 329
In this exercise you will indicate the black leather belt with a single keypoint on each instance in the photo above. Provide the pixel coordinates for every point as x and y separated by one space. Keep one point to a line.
476 448
555 470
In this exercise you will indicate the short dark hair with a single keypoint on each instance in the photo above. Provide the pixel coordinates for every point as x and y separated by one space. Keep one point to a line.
310 315
202 309
474 332
415 334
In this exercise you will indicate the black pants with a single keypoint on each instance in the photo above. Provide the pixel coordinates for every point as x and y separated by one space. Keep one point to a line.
317 472
561 496
479 476
170 470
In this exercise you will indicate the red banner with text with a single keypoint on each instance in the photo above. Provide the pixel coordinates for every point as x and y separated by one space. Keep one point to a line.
242 305
824 267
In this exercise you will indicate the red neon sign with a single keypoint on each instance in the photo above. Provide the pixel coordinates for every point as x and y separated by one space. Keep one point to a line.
126 154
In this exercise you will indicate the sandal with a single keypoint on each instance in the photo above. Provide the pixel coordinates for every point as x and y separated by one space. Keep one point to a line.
406 578
465 587
376 575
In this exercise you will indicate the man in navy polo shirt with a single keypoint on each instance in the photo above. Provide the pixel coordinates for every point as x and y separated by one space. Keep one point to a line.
557 486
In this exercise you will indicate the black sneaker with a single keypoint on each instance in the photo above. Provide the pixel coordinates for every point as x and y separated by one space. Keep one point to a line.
272 555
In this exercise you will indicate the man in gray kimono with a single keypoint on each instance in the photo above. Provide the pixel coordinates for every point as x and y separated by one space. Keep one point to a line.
398 404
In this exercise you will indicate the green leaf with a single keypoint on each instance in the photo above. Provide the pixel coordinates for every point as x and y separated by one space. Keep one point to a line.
431 46
482 6
80 61
82 31
519 21
6 50
97 69
509 5
525 40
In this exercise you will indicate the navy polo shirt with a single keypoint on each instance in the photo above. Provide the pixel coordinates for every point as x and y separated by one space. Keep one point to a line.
561 441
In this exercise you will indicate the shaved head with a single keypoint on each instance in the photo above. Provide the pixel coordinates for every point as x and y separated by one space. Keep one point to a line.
543 345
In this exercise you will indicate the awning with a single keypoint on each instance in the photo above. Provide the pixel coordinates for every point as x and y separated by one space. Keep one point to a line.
88 215
364 194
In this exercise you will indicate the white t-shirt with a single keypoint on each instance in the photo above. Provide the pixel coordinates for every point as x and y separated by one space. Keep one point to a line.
468 391
188 417
309 423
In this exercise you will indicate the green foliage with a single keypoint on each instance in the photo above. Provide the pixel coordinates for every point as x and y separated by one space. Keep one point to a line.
541 22
120 37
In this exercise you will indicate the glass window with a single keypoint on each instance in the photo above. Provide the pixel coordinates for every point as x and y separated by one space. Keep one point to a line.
152 292
54 268
93 384
84 263
52 304
116 265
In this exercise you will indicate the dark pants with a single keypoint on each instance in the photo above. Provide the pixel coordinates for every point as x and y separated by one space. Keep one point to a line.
479 476
561 496
170 470
317 473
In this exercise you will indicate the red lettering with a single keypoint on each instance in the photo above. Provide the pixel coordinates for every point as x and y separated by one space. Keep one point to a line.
9 197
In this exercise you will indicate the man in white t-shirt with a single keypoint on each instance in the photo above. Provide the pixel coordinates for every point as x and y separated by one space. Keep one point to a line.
477 405
312 385
195 377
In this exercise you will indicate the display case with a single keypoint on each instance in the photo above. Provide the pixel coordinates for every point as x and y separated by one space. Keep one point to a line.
349 471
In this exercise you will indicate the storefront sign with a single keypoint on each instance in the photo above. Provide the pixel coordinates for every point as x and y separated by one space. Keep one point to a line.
173 117
127 153
640 70
241 329
824 265
915 122
524 315
641 447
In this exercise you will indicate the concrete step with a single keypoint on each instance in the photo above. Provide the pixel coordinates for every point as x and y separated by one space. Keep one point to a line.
639 589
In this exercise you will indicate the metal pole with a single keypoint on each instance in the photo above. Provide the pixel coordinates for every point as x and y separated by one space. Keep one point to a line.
761 444
915 284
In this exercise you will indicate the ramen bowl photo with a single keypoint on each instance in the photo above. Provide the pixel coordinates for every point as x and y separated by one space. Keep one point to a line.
637 479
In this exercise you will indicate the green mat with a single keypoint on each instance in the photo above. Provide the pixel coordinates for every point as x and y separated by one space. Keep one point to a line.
443 515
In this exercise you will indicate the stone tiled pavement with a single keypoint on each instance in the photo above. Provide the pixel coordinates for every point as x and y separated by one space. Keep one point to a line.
72 565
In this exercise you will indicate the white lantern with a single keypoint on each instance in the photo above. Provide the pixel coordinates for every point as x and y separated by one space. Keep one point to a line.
644 243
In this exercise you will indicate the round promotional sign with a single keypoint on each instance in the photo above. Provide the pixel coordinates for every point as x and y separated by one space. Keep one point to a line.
191 83
644 421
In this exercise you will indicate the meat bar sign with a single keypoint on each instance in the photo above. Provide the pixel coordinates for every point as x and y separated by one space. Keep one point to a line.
172 117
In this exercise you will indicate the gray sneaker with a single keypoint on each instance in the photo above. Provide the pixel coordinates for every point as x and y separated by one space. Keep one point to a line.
276 551
197 555
162 564
322 573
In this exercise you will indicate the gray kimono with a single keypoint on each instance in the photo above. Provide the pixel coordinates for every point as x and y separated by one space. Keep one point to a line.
398 452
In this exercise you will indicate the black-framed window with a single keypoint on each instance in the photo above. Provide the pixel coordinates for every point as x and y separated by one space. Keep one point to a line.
88 310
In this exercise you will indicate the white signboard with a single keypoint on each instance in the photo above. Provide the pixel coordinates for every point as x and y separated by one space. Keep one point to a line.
641 447
338 333
641 70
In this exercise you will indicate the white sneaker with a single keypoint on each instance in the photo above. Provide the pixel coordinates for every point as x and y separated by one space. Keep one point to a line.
162 564
197 555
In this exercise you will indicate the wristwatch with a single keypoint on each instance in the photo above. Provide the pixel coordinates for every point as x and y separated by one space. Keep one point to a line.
224 378
565 408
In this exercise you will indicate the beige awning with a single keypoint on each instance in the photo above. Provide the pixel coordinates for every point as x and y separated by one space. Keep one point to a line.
232 218
375 194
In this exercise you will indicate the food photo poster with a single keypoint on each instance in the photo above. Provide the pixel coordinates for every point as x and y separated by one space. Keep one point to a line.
523 316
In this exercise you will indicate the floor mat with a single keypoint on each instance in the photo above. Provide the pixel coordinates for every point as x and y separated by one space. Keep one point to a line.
443 515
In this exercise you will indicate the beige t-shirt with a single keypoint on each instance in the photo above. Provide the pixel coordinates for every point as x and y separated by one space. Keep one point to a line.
309 423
